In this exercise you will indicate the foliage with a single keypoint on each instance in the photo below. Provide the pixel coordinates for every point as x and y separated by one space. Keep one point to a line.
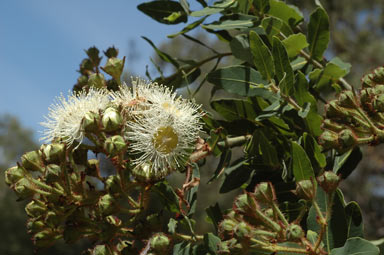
293 157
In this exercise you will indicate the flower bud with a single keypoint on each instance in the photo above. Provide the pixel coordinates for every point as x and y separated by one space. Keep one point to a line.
34 225
44 238
366 96
14 174
347 99
96 80
90 121
159 243
334 110
52 219
264 192
228 225
145 173
114 67
112 184
32 161
294 232
243 230
52 173
269 213
107 204
101 249
53 153
245 204
34 209
306 189
114 145
329 139
23 189
347 138
329 181
378 103
333 126
111 119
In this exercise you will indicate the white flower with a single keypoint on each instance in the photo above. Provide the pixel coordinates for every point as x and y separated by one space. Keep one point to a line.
65 116
163 131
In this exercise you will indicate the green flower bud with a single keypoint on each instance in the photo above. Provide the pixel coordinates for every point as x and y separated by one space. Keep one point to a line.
334 110
243 230
14 174
378 103
306 189
34 225
107 205
114 67
329 139
113 220
52 173
32 161
264 192
111 119
90 121
329 181
347 99
228 225
53 153
101 249
96 80
112 184
245 204
378 89
269 213
34 209
24 189
82 80
159 243
367 81
145 173
366 96
114 145
333 126
347 138
44 238
294 232
52 219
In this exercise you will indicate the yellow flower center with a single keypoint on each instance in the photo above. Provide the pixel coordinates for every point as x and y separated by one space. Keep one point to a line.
165 139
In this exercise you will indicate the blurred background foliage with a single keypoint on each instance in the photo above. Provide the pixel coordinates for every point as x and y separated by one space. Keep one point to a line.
357 37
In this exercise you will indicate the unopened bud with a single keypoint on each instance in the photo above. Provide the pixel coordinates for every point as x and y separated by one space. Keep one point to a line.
34 209
269 213
243 230
228 225
294 232
32 161
107 204
101 249
90 121
52 219
34 225
306 189
44 238
96 80
145 173
334 110
114 145
159 243
347 138
329 139
14 174
245 204
329 181
378 103
114 67
112 184
333 126
264 192
52 173
53 153
111 119
23 189
347 99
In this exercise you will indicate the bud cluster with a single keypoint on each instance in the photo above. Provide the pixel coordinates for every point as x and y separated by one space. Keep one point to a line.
356 118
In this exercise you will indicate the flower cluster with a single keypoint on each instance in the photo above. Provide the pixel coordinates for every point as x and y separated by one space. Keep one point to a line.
159 127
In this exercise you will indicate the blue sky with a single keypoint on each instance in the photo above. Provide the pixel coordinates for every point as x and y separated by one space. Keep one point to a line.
42 43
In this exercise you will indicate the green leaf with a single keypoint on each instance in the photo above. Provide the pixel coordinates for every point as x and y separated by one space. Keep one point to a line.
332 72
267 151
182 248
288 13
240 80
356 246
301 165
235 176
167 12
318 33
164 56
211 242
243 6
225 159
167 195
234 109
188 28
282 66
230 24
262 6
295 43
240 48
298 63
215 8
354 220
262 57
275 26
215 215
313 150
336 229
344 164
